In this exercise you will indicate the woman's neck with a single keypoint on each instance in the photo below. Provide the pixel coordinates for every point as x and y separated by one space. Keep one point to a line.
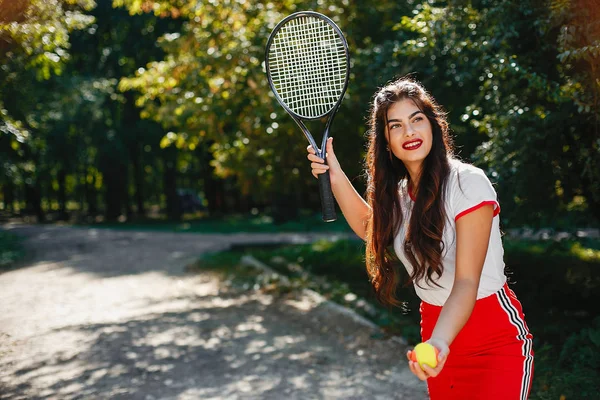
414 169
414 176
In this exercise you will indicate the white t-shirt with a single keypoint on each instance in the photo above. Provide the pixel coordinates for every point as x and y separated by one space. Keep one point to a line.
475 191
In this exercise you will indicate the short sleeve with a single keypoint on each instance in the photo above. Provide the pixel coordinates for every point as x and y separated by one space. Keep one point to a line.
471 191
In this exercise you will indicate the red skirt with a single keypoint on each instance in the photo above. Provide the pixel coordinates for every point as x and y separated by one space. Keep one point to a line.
491 357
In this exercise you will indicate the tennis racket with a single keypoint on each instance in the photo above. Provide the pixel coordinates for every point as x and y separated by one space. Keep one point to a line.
307 66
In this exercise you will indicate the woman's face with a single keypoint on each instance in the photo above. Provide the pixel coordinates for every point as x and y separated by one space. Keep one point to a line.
408 132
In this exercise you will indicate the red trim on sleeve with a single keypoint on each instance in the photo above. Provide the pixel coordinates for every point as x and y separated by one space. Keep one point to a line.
478 206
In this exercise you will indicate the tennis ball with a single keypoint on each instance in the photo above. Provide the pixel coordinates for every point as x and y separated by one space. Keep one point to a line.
424 353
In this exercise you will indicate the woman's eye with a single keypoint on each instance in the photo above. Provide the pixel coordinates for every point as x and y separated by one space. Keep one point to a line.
394 126
418 119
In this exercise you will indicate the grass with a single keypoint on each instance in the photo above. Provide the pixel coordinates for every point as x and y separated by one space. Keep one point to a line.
11 250
559 286
307 222
226 264
336 270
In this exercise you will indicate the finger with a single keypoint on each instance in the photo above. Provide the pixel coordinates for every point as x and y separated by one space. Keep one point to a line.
441 363
319 166
314 158
442 358
412 368
430 371
408 355
310 149
329 147
416 369
443 355
422 373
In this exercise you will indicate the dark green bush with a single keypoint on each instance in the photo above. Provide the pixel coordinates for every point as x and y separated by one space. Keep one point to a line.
11 249
571 370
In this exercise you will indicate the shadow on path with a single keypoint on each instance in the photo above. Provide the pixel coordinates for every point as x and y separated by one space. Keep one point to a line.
207 352
112 314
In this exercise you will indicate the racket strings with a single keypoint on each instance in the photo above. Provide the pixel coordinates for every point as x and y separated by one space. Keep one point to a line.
310 97
308 66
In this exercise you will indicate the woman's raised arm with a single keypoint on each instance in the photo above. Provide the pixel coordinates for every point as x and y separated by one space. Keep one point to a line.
353 206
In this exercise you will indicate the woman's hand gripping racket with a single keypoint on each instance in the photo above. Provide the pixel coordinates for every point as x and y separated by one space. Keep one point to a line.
307 66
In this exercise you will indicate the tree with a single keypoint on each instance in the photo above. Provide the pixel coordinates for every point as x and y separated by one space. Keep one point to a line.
34 39
115 46
578 42
208 119
511 113
211 88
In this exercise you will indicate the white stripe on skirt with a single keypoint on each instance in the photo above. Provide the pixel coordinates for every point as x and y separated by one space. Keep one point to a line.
519 323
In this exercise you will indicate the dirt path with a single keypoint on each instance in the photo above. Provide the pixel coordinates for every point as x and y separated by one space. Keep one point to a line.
97 314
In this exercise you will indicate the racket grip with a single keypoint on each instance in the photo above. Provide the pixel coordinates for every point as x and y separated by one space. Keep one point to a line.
327 200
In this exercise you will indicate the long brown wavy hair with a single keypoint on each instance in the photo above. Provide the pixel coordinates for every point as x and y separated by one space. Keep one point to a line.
424 245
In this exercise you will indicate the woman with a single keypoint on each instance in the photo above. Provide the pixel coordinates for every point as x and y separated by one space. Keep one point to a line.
440 216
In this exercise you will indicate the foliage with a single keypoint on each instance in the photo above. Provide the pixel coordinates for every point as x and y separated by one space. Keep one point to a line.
234 223
118 146
574 373
522 100
579 53
34 44
570 263
510 104
34 37
211 88
35 34
82 133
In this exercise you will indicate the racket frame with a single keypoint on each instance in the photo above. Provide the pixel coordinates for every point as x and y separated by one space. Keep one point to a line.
324 181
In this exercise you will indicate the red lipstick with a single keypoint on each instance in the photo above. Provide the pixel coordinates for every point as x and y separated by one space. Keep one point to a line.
412 144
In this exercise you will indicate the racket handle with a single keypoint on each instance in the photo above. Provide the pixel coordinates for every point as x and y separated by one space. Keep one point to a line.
327 201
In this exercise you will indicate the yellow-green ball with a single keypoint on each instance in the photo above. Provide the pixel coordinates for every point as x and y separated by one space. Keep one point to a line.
424 353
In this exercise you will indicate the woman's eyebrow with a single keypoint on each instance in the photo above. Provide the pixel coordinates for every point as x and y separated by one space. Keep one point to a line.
409 117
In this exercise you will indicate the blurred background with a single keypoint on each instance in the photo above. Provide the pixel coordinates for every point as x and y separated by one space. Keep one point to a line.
144 114
127 109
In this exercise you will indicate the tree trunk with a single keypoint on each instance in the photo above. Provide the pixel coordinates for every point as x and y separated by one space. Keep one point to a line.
91 196
283 208
33 200
212 186
115 189
112 197
127 196
138 182
62 194
8 190
170 183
